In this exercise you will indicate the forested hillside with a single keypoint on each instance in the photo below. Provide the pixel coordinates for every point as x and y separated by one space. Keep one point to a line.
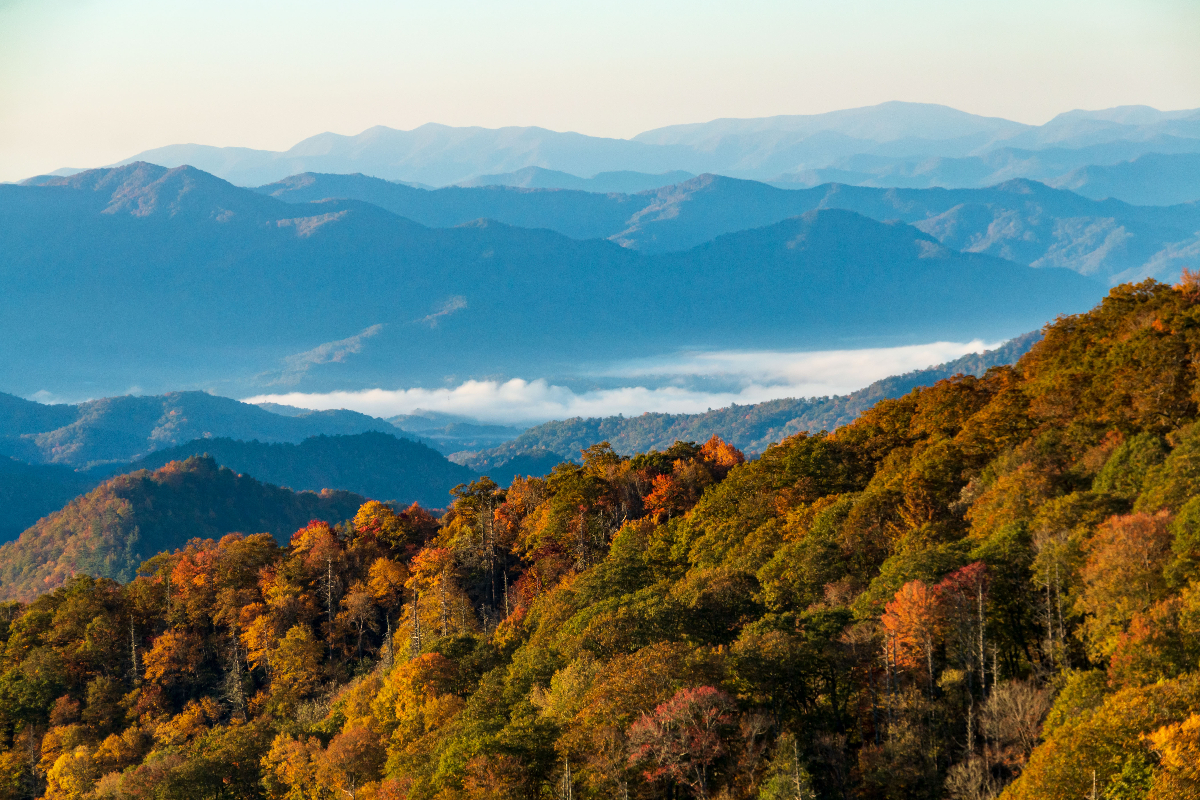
752 428
375 465
127 519
988 587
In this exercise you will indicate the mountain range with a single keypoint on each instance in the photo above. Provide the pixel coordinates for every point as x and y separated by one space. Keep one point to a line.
124 429
236 291
52 453
893 144
1020 220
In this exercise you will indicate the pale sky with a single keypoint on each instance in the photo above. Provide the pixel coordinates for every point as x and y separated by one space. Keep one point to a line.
88 82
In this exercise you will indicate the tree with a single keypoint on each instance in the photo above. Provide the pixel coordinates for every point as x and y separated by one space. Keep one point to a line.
1123 575
913 620
683 737
963 597
1178 749
296 669
353 758
358 611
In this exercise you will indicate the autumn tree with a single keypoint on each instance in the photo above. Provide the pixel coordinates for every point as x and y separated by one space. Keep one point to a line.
683 737
1123 575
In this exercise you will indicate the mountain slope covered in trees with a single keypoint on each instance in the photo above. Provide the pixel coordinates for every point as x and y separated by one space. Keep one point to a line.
109 531
375 465
987 587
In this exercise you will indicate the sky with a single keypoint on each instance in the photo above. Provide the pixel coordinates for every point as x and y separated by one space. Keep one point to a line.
88 82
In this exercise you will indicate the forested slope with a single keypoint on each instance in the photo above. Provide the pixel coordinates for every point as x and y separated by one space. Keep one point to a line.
986 587
127 519
373 464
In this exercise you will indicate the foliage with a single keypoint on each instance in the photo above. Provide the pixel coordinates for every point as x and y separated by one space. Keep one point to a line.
985 588
126 519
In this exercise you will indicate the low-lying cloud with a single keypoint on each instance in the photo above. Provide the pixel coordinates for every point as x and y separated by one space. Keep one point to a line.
818 372
758 376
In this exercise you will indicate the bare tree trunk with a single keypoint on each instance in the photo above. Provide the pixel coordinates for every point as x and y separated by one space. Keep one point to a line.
971 728
390 656
982 652
568 789
415 647
507 610
133 654
1049 627
328 587
236 690
445 606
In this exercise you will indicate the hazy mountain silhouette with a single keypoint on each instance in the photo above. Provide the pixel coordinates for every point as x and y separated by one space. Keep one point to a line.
1054 166
449 433
434 154
29 492
121 429
1152 179
624 181
1020 220
211 283
574 213
761 148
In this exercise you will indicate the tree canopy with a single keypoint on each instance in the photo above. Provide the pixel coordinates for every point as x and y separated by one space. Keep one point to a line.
985 588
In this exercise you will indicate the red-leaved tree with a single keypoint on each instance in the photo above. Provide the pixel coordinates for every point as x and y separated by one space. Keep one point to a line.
683 737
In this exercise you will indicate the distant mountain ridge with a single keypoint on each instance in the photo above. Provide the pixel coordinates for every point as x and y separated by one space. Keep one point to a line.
622 181
220 286
752 428
891 137
122 429
376 465
29 492
1154 178
1020 220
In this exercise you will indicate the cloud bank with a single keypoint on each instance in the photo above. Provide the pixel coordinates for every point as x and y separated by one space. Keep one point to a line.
755 376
